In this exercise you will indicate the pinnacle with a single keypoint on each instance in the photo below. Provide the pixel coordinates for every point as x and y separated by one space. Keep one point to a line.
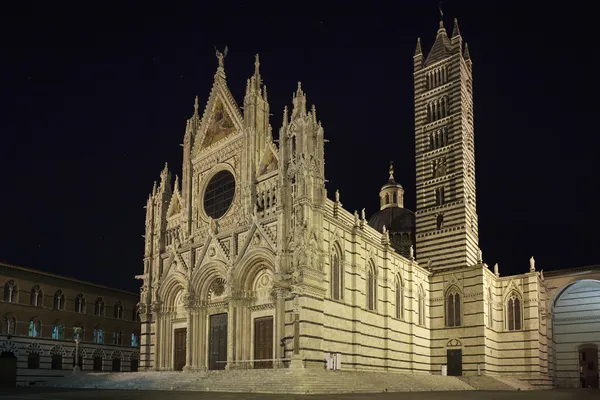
455 31
418 50
196 106
466 54
256 64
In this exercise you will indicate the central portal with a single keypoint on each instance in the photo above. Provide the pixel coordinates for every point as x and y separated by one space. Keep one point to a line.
179 337
217 342
263 342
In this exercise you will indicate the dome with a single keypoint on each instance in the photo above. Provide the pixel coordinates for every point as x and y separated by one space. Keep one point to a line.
395 219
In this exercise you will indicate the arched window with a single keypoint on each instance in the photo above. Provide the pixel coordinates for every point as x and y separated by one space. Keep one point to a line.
11 290
371 287
118 311
99 307
513 312
421 306
337 274
36 296
59 300
58 331
399 298
9 325
35 328
387 198
134 340
490 309
98 335
80 304
453 308
395 198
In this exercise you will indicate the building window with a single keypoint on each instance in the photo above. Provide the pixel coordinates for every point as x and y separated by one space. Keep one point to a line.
80 304
35 328
33 361
490 310
59 300
337 275
135 315
453 308
98 335
36 296
421 306
11 290
513 312
78 333
399 299
9 325
134 340
439 196
439 221
372 287
118 337
133 366
439 167
58 331
118 311
99 307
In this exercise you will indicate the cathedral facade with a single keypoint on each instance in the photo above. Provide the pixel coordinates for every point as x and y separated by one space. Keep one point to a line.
249 264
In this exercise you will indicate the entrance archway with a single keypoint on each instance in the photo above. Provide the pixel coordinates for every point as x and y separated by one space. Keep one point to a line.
575 327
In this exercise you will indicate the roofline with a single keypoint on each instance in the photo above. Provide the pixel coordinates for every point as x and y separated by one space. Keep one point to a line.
567 271
35 271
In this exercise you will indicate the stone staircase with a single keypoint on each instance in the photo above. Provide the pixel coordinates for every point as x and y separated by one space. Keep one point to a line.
303 381
486 382
539 382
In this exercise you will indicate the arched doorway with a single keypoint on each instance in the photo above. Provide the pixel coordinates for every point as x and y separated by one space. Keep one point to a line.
575 327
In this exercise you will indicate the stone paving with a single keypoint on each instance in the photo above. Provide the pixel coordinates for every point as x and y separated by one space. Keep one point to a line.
68 394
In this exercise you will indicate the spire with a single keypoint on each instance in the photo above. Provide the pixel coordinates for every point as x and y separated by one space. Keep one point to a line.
418 50
196 107
256 65
285 115
176 183
299 101
391 170
442 47
455 31
265 92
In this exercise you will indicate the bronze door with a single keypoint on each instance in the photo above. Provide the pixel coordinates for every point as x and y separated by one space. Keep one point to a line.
179 341
217 342
454 362
588 368
263 342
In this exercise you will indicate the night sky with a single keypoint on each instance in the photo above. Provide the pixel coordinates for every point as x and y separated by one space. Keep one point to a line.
95 101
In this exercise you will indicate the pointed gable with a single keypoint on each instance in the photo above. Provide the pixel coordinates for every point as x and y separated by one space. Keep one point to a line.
222 117
220 126
269 162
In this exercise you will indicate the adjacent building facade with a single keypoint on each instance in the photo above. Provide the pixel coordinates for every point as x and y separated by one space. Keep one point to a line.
249 263
43 315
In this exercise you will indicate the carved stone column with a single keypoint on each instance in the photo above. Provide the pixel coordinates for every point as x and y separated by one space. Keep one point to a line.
189 304
280 294
201 339
231 331
157 335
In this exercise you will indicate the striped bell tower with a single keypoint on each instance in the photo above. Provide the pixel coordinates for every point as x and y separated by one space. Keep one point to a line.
446 217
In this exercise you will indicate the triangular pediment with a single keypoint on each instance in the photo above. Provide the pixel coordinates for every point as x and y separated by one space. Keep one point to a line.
222 118
269 162
220 126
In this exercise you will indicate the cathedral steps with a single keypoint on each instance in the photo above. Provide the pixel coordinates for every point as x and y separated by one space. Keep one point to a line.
488 383
305 381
